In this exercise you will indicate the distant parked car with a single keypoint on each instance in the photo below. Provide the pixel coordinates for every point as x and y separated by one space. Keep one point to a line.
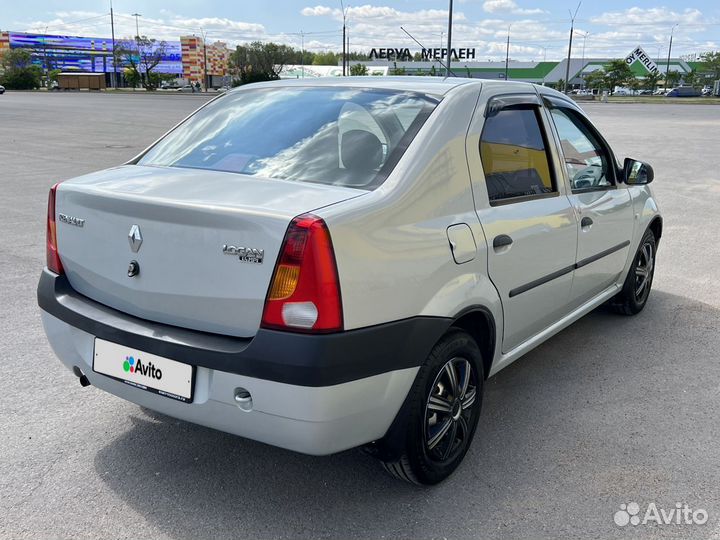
2 89
683 91
186 88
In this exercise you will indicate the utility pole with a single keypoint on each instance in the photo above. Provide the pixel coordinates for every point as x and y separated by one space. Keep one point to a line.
572 30
344 16
667 66
449 43
507 53
112 31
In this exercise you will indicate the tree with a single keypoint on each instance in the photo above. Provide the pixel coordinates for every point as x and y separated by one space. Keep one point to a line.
326 58
18 71
711 64
596 80
260 61
691 79
651 81
634 84
132 76
672 78
618 73
358 69
141 56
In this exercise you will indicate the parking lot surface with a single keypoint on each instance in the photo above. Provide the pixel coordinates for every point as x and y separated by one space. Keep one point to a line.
610 411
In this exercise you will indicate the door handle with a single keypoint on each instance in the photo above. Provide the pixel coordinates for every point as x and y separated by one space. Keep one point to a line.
586 222
502 240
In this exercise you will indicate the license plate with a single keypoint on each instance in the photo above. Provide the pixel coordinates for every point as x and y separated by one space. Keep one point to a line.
144 370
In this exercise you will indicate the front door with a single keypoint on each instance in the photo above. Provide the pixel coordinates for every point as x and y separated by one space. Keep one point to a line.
603 206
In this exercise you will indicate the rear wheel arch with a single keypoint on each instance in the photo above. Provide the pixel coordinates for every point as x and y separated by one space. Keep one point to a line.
479 322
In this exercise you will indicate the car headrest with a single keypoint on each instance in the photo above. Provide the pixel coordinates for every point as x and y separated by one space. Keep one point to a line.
361 150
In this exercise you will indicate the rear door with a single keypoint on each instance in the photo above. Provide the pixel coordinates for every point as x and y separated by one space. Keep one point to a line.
603 206
527 218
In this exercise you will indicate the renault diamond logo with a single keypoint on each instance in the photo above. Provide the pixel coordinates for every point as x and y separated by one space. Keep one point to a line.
135 238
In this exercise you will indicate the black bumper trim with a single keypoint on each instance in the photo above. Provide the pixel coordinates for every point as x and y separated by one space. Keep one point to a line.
298 359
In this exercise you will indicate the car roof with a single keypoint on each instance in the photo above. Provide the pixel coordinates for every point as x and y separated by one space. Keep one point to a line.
438 86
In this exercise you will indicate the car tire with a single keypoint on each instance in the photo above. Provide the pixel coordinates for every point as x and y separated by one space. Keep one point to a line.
443 411
636 289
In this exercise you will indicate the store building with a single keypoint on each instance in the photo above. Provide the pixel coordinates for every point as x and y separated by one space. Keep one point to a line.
185 59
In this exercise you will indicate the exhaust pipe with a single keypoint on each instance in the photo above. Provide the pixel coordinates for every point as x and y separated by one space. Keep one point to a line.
80 375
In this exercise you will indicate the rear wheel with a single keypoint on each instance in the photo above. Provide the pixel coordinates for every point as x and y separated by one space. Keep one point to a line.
633 297
444 408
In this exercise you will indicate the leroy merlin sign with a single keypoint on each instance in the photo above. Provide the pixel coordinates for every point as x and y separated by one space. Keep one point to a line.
639 55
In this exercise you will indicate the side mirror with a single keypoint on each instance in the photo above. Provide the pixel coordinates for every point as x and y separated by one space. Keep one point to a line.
637 172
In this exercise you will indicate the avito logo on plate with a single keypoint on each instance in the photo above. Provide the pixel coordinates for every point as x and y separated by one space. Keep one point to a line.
136 366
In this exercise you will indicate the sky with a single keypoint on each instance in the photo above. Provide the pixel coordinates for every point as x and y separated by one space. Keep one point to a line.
538 30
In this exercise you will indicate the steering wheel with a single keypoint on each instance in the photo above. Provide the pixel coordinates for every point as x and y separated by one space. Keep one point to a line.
590 176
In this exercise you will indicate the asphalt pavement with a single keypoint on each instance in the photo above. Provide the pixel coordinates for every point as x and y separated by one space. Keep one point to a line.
612 410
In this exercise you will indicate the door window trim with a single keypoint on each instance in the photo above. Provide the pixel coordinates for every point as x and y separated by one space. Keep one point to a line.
573 112
500 102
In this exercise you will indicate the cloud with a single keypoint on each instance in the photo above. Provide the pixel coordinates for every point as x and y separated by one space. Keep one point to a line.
650 16
509 6
169 28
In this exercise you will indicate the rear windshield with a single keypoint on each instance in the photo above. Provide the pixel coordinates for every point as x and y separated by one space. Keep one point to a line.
340 136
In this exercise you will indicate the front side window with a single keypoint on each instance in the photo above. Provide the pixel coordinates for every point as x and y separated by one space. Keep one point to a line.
514 155
340 136
586 160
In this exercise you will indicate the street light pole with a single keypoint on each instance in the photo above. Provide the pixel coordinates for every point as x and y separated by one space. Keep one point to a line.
112 31
205 70
582 76
137 45
507 53
667 66
302 54
449 42
572 29
137 26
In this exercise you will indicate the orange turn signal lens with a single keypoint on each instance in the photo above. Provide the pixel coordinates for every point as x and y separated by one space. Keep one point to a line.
285 282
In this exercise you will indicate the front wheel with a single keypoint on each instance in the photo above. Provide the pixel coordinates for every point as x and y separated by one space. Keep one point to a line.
444 408
636 289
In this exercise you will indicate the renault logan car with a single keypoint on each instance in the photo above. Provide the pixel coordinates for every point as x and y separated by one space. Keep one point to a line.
343 263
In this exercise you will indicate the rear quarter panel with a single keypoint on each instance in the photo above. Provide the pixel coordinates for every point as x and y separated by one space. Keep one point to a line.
392 249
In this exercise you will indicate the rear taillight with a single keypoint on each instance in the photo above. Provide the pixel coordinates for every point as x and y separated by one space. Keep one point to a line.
304 292
51 250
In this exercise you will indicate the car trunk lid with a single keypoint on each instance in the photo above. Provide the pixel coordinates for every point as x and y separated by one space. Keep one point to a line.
204 242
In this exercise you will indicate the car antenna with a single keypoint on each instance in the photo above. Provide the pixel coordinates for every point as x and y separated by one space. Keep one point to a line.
423 46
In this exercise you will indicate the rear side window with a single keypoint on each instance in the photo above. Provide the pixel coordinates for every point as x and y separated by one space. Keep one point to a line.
514 155
327 135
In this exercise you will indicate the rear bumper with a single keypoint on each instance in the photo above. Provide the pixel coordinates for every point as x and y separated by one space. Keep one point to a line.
312 394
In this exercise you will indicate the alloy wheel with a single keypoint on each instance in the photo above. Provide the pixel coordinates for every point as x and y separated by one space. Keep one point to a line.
644 266
449 410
